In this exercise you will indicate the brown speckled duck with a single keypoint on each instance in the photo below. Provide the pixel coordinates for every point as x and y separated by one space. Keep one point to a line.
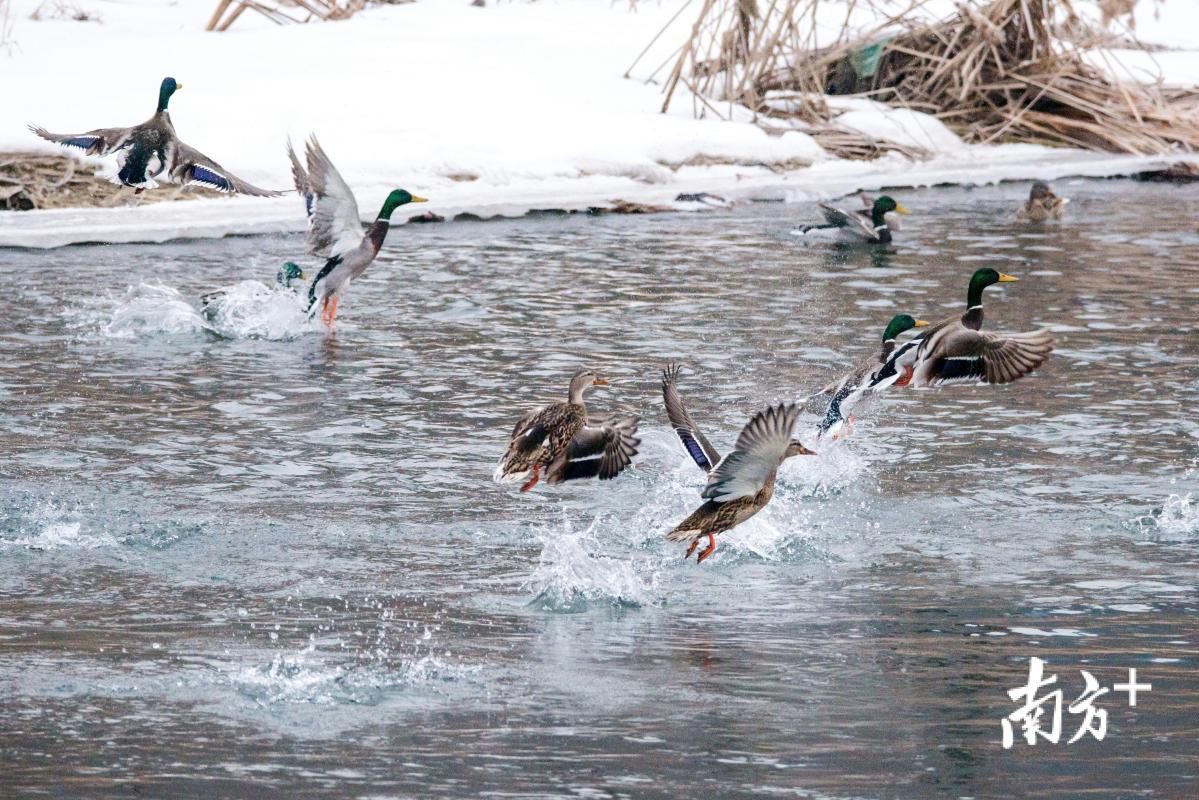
1042 204
742 483
562 441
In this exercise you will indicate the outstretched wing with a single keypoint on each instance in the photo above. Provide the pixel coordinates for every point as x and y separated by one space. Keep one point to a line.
699 448
99 142
981 357
853 223
299 177
759 451
334 225
189 165
597 451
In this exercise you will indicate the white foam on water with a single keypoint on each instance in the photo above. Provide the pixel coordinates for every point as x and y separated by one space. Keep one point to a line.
246 310
253 310
573 571
49 526
1178 519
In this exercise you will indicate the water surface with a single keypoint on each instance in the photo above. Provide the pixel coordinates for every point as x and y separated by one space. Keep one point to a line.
251 559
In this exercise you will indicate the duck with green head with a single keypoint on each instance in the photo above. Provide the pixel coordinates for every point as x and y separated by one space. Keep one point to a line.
335 228
866 225
152 149
957 350
211 303
851 388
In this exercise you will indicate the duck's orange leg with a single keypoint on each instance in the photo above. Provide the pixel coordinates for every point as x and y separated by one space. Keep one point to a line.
908 370
707 551
329 309
532 481
691 549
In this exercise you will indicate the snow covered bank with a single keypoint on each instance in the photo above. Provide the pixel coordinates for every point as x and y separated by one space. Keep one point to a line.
493 110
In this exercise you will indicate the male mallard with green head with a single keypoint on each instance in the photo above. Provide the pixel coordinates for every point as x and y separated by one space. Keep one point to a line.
867 225
1042 204
146 151
560 439
848 390
742 483
335 228
956 350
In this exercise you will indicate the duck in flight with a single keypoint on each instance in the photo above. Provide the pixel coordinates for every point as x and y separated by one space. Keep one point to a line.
152 150
335 228
561 440
957 350
740 484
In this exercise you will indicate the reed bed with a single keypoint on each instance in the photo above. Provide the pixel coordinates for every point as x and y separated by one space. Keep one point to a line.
1003 70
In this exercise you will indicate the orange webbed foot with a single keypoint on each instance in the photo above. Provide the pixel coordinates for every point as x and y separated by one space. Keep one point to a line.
532 481
707 551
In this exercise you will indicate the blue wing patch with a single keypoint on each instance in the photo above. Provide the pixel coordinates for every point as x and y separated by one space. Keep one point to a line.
82 142
309 202
209 178
697 452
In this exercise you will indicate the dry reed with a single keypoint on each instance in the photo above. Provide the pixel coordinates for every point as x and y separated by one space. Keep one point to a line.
1004 70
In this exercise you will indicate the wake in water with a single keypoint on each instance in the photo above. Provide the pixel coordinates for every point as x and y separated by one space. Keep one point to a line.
1177 519
49 525
246 310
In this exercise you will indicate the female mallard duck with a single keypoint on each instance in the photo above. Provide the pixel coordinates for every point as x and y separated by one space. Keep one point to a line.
560 439
865 225
286 278
956 350
742 483
848 390
146 151
1042 204
335 228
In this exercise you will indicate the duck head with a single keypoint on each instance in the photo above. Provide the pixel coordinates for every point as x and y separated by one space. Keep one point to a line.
169 87
583 380
883 206
795 448
900 323
287 273
1040 191
397 198
981 280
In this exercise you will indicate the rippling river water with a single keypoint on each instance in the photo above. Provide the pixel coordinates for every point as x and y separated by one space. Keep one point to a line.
260 561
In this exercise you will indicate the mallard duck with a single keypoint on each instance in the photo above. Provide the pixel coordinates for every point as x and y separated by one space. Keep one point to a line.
146 151
742 483
334 227
562 440
286 278
865 225
849 389
1042 204
956 350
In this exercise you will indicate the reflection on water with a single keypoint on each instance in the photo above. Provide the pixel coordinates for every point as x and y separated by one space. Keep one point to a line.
246 557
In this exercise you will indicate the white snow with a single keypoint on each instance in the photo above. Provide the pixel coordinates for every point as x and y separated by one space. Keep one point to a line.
492 110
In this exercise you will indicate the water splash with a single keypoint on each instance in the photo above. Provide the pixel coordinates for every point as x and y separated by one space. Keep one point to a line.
571 576
1178 518
245 310
253 310
51 526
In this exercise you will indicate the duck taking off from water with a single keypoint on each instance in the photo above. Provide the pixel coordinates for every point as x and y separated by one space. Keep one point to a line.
956 350
742 483
848 390
285 278
335 228
864 225
561 440
147 151
1042 204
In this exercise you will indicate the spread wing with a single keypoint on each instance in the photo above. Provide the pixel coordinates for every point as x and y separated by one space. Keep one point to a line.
189 165
334 224
99 142
759 451
852 222
597 451
699 448
980 357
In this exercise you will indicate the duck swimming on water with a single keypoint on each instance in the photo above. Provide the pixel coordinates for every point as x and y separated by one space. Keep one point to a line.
864 225
152 149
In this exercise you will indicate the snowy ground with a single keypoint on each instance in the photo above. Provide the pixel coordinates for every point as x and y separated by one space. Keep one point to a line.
493 110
